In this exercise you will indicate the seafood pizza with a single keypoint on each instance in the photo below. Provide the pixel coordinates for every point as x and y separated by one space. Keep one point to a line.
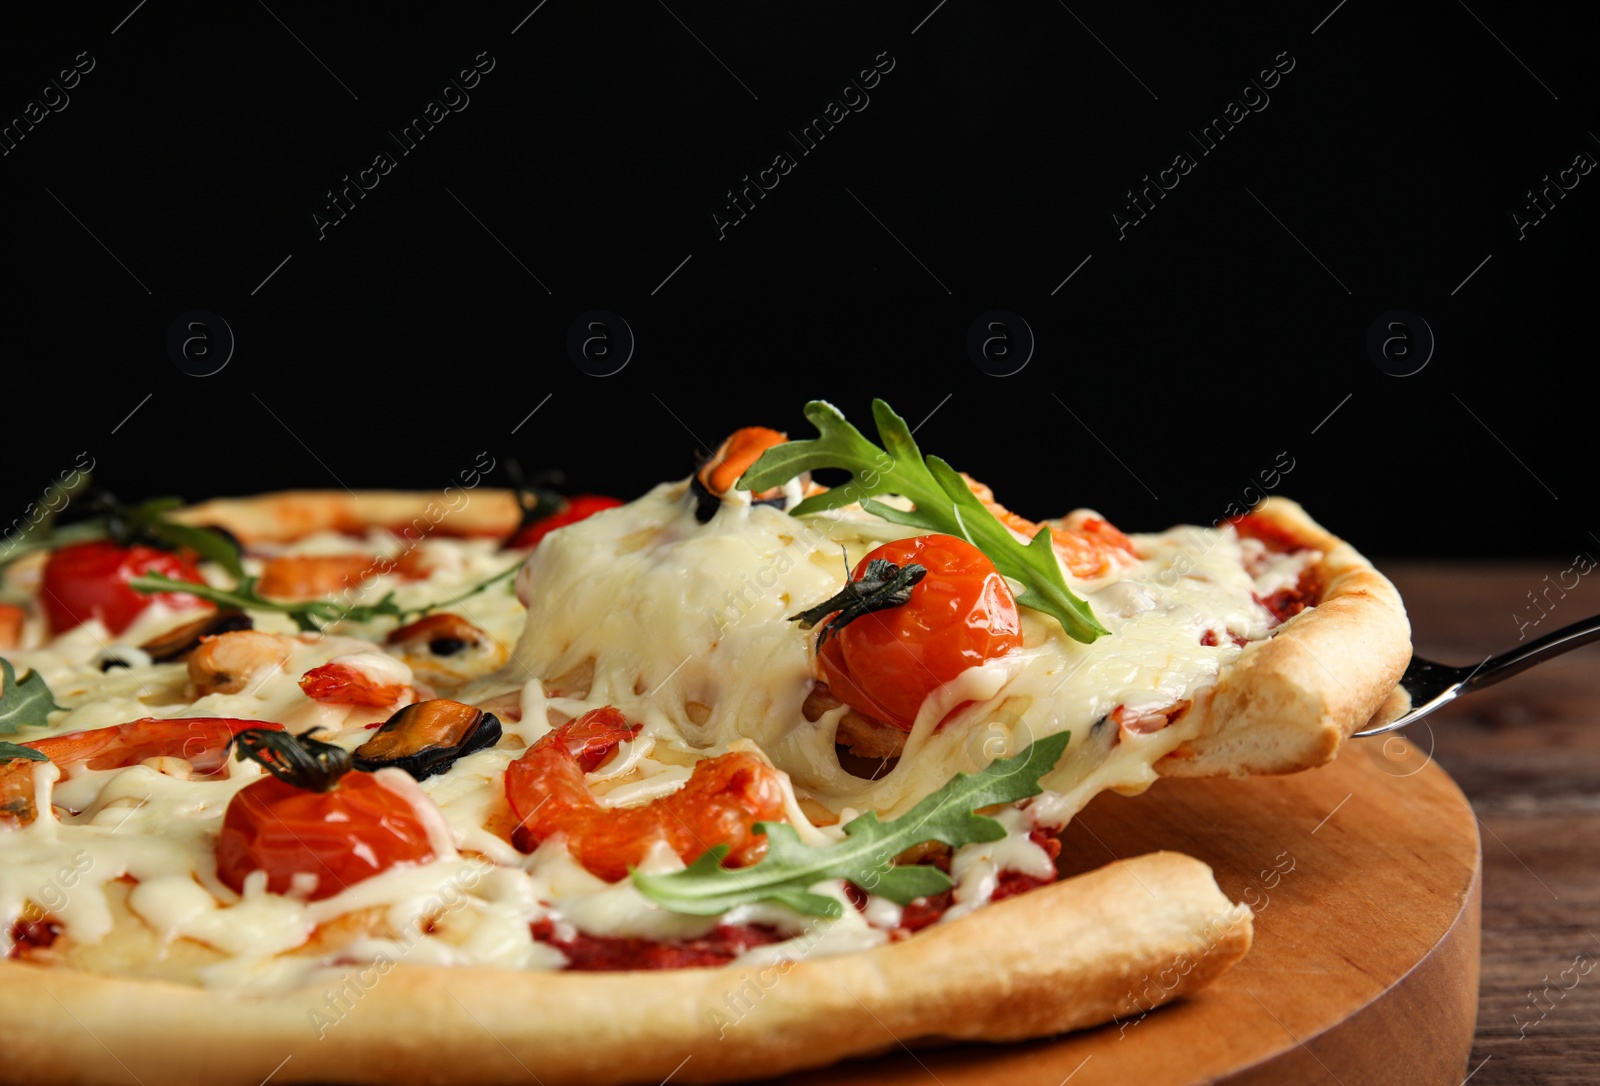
408 788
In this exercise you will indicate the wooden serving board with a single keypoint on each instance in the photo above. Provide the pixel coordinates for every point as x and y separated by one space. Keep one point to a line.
1365 879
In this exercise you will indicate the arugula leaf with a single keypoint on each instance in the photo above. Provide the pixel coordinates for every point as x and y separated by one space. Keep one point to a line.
789 868
203 541
943 500
27 703
11 751
309 615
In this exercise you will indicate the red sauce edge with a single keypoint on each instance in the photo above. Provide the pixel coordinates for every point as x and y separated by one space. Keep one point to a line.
926 910
1253 526
27 935
603 953
606 953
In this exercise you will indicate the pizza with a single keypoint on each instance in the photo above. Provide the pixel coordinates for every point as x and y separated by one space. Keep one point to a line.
471 786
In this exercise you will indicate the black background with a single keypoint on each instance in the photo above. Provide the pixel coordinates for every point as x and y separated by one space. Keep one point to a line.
428 323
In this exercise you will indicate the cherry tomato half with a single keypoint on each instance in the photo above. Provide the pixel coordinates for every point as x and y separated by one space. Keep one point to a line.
88 580
961 614
358 829
578 507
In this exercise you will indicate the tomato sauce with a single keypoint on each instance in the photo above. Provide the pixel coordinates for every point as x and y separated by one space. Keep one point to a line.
603 953
29 935
1274 538
926 910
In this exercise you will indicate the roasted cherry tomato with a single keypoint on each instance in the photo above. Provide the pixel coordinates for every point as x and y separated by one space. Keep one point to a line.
578 507
961 614
89 580
355 830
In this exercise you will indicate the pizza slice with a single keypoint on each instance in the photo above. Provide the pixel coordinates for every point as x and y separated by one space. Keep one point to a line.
723 768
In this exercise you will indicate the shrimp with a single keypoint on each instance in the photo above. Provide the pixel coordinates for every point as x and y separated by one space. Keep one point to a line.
719 805
309 576
11 619
202 741
1089 545
226 663
366 678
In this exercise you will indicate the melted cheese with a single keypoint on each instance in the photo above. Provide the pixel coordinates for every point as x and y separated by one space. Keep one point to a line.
682 626
674 613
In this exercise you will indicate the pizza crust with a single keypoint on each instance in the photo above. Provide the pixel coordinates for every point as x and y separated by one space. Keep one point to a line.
1288 703
1110 943
290 514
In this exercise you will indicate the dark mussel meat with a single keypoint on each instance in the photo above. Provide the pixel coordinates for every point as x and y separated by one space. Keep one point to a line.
179 642
440 634
732 459
444 648
426 738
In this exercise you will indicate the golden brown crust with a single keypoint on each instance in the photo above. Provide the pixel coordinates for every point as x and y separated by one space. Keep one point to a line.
1061 957
289 514
1289 703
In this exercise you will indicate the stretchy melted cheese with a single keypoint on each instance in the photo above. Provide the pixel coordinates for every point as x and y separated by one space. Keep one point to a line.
684 627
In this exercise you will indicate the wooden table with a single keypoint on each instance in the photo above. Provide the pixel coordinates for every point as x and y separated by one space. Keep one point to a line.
1527 755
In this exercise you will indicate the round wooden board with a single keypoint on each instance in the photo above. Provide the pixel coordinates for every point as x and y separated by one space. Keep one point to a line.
1364 876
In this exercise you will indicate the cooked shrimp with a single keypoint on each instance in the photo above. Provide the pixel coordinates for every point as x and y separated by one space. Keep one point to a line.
1089 545
309 576
226 663
445 648
366 678
11 620
719 804
202 741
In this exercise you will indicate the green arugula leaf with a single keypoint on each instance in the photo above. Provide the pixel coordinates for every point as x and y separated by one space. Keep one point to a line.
309 615
789 868
26 703
11 752
943 503
203 541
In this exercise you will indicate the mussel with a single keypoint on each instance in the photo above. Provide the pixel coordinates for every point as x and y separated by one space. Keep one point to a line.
426 738
178 642
732 459
446 649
